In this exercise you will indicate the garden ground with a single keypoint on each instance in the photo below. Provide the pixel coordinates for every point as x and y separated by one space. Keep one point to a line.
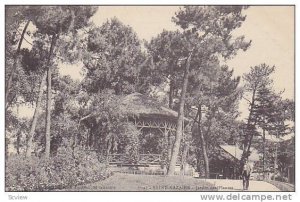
130 182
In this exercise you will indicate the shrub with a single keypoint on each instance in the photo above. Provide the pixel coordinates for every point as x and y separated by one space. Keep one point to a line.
64 170
279 177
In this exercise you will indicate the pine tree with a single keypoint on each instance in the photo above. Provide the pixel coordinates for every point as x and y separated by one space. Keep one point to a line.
258 84
208 34
53 22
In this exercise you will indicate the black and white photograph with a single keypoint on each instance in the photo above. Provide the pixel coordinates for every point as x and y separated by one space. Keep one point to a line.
149 98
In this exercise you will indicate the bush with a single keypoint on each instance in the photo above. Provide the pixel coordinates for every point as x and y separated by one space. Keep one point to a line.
279 178
66 169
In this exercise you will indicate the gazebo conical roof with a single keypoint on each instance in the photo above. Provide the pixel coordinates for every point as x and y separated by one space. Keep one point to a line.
143 106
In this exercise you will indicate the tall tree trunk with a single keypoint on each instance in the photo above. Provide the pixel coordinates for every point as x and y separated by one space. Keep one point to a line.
276 158
171 95
170 145
49 95
249 135
35 115
184 158
180 119
264 153
16 57
18 141
199 150
6 147
203 144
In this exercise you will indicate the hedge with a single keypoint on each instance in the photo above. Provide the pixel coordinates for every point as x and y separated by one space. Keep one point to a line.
64 170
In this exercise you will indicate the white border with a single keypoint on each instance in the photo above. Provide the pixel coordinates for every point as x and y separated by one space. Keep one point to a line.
124 196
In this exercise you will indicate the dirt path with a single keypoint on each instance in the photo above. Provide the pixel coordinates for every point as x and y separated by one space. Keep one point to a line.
237 185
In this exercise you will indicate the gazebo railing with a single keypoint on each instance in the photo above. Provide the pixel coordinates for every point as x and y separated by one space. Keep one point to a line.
143 159
150 159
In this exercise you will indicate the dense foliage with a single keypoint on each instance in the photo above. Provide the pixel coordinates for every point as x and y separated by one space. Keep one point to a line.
113 58
68 168
77 124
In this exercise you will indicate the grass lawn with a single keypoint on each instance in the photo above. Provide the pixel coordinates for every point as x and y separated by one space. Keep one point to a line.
130 182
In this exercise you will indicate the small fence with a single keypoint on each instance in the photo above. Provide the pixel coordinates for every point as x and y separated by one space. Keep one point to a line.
151 172
142 172
143 159
145 164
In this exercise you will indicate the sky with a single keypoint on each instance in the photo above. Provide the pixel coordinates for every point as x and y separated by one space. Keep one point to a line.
271 29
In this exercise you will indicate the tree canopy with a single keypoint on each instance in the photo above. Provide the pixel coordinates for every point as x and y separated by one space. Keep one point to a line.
187 67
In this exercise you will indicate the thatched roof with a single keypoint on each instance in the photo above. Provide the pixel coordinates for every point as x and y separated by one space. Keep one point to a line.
142 105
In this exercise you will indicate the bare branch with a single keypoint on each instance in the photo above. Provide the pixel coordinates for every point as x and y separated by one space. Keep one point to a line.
23 37
247 100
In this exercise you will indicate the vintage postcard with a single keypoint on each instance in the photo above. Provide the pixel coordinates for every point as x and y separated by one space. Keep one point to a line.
153 98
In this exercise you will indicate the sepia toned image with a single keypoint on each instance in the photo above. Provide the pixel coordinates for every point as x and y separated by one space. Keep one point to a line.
149 98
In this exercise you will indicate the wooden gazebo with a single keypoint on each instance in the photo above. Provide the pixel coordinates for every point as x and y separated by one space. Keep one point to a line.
154 121
156 125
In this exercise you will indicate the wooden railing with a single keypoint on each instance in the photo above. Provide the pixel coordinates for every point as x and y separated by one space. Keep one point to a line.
148 159
143 159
